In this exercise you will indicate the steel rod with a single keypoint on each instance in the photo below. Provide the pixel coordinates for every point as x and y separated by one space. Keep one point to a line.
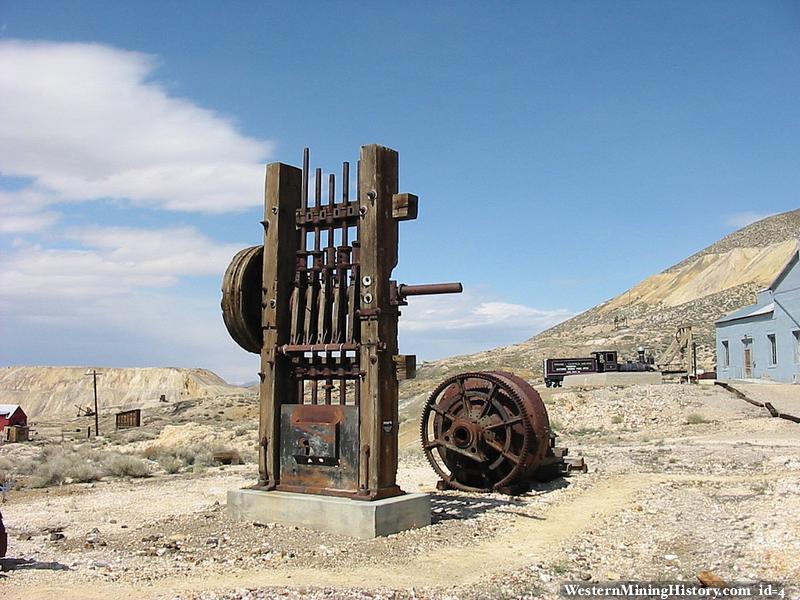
345 198
429 289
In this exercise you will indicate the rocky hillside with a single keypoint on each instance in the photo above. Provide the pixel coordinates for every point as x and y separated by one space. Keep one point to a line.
46 392
696 291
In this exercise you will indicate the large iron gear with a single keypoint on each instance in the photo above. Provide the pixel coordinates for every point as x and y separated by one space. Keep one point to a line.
486 431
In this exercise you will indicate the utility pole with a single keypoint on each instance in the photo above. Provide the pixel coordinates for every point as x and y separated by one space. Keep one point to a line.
94 375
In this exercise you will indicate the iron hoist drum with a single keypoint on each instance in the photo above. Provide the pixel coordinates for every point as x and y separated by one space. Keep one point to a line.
241 298
486 431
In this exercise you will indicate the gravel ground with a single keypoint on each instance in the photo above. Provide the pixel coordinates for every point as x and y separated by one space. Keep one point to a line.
682 479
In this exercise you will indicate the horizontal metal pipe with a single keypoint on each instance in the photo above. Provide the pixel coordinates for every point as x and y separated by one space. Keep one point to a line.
429 288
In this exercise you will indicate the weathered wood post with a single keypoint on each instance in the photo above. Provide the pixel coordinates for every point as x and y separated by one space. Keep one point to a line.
378 177
282 199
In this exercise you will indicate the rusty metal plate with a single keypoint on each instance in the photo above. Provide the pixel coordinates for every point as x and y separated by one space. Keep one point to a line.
319 446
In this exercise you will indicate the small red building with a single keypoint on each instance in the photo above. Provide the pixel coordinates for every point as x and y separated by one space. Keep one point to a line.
12 414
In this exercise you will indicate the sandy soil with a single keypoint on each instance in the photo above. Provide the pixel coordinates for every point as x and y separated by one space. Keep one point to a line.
663 499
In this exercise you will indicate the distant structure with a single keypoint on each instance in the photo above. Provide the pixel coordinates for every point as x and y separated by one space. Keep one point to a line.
13 422
128 418
12 414
762 341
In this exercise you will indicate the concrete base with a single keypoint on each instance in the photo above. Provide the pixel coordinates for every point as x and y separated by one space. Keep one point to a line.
358 518
613 378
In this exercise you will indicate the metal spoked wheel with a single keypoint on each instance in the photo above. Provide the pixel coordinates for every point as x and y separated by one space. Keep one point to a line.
484 431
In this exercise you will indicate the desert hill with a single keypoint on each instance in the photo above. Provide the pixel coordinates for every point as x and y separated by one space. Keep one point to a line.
46 392
697 291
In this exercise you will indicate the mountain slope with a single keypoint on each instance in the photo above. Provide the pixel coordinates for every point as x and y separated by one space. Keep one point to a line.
697 291
45 392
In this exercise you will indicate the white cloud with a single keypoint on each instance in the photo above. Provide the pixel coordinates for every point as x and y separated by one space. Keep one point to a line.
743 219
119 297
437 326
110 261
27 223
23 212
86 121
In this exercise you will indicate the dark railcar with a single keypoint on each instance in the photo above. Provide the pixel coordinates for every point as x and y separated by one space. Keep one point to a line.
555 369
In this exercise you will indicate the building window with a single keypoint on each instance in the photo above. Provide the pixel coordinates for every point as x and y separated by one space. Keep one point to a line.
726 353
773 350
796 334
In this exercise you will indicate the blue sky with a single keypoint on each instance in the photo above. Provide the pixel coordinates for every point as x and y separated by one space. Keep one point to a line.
562 152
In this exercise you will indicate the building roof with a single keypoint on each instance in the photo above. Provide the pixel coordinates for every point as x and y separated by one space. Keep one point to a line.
748 311
6 410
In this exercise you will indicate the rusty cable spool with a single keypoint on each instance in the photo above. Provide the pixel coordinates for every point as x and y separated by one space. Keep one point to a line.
485 431
241 298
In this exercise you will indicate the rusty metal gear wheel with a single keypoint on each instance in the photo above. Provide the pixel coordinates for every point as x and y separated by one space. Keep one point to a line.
485 431
241 298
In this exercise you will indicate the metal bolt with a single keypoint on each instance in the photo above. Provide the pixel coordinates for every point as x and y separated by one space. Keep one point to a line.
366 280
367 298
272 303
372 195
363 210
274 210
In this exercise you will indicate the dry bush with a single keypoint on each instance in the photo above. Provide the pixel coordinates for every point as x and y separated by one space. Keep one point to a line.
241 430
130 436
170 463
126 465
195 457
696 419
56 465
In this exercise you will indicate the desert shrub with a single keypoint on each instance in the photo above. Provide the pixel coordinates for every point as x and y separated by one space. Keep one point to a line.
170 463
126 465
241 430
151 452
197 455
6 465
696 419
26 466
137 435
85 472
249 456
52 472
56 465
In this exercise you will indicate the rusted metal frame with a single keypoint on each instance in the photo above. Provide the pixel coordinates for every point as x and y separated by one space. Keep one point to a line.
338 215
302 348
284 185
378 238
313 292
324 372
326 335
298 300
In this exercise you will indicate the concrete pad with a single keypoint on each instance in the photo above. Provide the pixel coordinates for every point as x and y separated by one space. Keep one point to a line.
612 378
357 518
